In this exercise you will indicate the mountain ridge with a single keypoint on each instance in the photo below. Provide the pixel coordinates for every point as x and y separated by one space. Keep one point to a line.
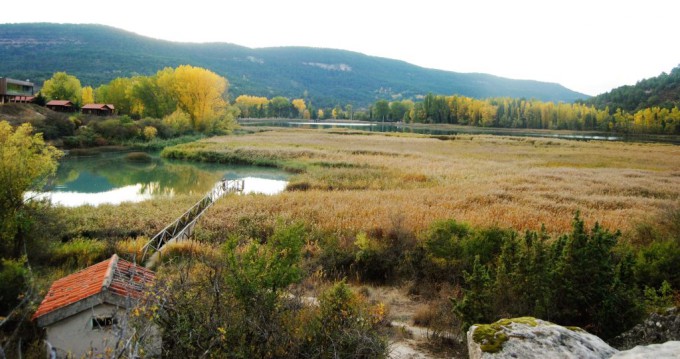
96 54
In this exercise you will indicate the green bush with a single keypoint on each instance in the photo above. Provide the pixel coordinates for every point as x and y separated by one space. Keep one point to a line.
344 327
577 279
659 300
658 262
12 283
80 253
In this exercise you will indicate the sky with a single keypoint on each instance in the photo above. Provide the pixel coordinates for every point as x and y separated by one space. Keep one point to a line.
590 46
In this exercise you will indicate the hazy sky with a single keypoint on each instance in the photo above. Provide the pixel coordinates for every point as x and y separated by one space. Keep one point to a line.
589 46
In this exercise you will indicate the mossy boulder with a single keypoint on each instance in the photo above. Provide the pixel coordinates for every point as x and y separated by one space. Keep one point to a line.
528 337
491 337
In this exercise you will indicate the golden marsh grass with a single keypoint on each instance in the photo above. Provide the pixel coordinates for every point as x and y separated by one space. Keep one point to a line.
362 181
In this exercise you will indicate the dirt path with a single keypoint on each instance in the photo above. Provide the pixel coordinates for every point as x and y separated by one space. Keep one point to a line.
410 348
408 341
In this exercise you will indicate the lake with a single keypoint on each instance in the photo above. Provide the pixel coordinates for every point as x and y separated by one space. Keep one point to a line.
113 178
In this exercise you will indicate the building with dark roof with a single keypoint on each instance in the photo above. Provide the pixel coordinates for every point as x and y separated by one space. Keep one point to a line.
61 106
85 312
99 109
11 88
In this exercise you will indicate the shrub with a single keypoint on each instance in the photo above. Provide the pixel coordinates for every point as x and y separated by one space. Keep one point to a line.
345 327
150 133
80 253
179 121
12 283
131 249
659 300
658 262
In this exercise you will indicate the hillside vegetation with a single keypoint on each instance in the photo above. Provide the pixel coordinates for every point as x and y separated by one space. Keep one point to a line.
98 54
660 91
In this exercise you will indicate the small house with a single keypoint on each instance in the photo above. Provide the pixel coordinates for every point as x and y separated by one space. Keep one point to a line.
10 89
98 109
85 313
61 106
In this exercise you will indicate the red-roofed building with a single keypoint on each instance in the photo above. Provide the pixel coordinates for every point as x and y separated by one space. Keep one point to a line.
61 106
85 312
99 109
22 99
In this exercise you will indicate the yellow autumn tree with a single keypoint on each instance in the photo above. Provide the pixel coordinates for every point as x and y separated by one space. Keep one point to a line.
200 94
300 106
88 95
251 106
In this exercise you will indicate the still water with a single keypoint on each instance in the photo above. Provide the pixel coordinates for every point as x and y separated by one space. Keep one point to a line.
113 178
438 131
463 130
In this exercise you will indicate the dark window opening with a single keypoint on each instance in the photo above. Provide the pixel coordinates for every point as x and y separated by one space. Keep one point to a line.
103 322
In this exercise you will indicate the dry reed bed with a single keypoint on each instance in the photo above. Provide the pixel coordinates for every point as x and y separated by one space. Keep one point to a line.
483 180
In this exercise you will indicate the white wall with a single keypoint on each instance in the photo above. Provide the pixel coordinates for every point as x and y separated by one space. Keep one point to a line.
75 334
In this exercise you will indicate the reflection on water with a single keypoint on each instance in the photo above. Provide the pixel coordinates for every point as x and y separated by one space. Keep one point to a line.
133 193
112 179
330 124
263 185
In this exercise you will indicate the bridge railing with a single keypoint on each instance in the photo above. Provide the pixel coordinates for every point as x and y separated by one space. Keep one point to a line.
182 227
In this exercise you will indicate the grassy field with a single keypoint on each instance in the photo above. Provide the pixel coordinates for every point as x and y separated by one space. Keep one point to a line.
355 181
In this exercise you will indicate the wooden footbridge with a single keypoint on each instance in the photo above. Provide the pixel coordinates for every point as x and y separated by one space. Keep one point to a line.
182 228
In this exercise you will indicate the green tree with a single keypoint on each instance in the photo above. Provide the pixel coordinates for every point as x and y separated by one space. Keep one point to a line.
154 101
349 112
381 110
26 162
117 92
280 107
63 86
477 303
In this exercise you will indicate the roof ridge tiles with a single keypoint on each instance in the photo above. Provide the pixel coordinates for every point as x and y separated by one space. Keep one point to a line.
108 276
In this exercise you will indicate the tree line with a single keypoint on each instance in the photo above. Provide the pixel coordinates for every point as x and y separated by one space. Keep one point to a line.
197 99
282 107
529 114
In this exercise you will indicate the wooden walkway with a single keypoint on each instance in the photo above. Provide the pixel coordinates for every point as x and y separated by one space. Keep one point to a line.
182 228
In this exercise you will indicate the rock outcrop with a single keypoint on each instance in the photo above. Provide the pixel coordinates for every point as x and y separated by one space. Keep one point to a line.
657 328
528 338
668 350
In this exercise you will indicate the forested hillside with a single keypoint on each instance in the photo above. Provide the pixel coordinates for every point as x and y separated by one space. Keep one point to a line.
98 54
661 91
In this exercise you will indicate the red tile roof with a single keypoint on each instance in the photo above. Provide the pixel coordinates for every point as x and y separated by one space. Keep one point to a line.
22 99
97 106
117 276
59 103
